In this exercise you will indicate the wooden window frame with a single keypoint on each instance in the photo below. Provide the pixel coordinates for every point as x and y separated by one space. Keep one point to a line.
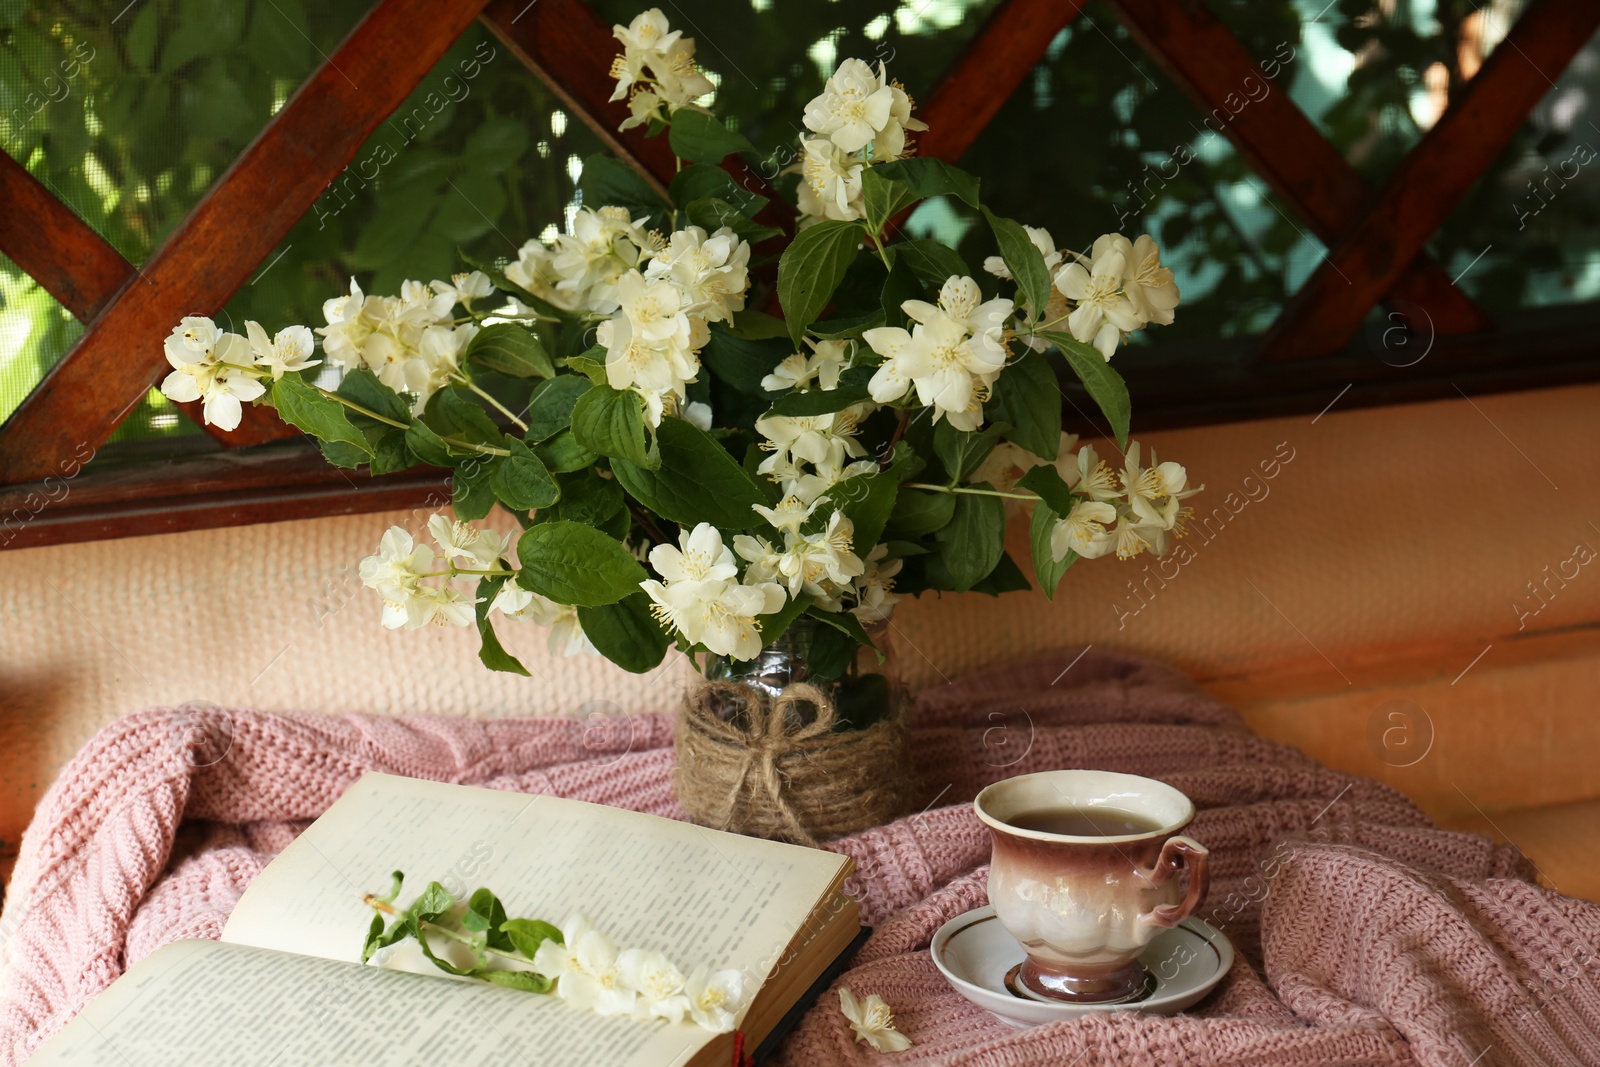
1310 359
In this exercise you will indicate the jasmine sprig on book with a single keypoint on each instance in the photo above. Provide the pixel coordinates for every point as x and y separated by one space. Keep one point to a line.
576 961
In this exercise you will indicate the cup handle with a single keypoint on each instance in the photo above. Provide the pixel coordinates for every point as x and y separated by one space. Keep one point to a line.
1185 854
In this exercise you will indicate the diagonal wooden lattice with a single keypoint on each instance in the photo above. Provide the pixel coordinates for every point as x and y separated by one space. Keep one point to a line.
1376 241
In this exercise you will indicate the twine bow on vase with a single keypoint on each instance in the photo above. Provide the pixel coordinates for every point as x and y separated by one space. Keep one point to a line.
784 767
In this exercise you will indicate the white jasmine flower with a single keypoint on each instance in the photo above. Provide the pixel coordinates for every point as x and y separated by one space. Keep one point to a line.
873 1021
1149 286
599 248
822 440
1153 492
702 599
1091 476
715 999
857 108
658 371
212 366
1041 239
819 564
830 185
821 368
700 557
460 540
290 349
651 50
953 355
789 515
1133 537
874 588
658 983
343 335
697 415
535 271
654 307
710 273
566 631
466 287
809 487
1084 530
396 572
1099 295
585 969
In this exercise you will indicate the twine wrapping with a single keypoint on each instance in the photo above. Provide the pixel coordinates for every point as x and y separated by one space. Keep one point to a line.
775 771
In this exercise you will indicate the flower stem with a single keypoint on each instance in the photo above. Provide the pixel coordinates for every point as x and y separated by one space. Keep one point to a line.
969 491
878 244
468 382
488 450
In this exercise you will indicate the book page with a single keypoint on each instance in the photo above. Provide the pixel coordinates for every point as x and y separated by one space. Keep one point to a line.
206 1002
699 895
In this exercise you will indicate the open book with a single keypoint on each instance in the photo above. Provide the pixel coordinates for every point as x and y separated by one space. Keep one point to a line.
285 986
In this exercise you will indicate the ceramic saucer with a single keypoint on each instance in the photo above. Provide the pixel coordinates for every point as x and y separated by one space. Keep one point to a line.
979 959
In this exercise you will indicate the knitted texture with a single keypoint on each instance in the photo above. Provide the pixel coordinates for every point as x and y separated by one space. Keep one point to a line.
1365 935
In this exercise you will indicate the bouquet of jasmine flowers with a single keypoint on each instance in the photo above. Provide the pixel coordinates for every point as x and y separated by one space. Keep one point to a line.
700 449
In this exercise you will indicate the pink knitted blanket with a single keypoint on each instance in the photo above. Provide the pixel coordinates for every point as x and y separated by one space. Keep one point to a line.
1366 935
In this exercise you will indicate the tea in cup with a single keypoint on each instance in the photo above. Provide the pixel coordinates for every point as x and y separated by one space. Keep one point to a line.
1088 867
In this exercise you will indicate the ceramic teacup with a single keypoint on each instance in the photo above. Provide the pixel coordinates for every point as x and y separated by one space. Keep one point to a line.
1084 904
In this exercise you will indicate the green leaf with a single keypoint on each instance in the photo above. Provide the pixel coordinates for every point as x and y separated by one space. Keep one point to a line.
698 481
743 362
845 325
1023 259
611 422
1006 577
811 268
918 512
575 564
700 137
374 939
773 625
963 451
344 454
590 364
1046 569
562 454
1046 481
757 326
587 498
426 445
866 500
932 262
1027 396
433 902
510 349
450 414
550 406
926 176
300 404
472 494
831 654
818 401
971 545
846 623
491 653
713 213
520 480
702 181
901 285
495 144
1105 385
526 981
390 454
607 181
882 197
526 935
361 386
626 633
484 915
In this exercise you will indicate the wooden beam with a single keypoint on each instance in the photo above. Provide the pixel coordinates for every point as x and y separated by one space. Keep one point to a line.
245 215
1431 181
54 246
1244 103
272 484
989 68
84 273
